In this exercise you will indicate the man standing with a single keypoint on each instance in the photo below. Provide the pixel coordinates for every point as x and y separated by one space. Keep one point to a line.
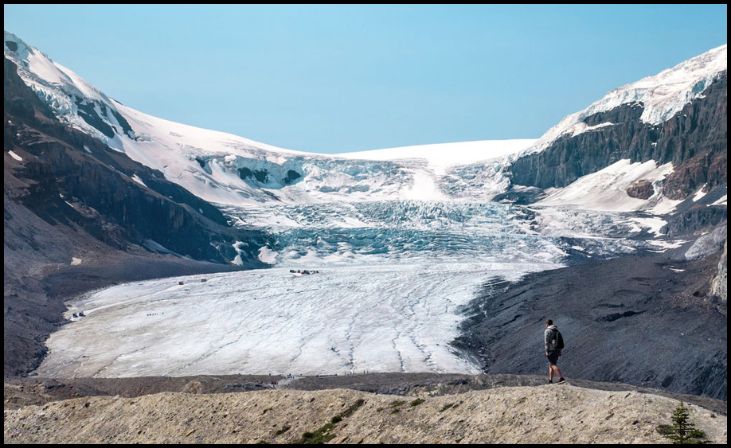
553 342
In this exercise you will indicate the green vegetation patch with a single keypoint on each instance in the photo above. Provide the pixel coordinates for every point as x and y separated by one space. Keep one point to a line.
682 431
354 407
321 435
284 429
324 433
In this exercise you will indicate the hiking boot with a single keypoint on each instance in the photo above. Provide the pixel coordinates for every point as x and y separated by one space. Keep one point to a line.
550 381
561 380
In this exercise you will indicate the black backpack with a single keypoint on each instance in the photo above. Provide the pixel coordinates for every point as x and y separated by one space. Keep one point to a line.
559 340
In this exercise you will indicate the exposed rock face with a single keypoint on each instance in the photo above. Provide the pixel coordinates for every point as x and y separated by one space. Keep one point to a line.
685 222
76 180
707 244
694 140
694 173
719 284
542 414
641 189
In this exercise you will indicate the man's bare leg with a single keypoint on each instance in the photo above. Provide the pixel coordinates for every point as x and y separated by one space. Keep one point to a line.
558 372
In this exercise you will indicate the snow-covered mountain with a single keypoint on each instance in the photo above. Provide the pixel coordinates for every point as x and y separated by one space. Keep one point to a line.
614 156
235 171
312 202
661 96
227 169
658 146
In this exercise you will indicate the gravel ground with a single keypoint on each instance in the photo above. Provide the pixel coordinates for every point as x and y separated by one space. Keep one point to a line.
26 391
541 414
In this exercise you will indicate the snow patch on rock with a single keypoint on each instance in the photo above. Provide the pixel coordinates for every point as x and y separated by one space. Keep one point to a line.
15 156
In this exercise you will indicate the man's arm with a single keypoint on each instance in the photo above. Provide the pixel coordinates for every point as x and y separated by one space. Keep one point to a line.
545 340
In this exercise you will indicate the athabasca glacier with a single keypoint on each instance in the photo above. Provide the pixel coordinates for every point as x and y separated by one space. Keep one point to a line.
391 279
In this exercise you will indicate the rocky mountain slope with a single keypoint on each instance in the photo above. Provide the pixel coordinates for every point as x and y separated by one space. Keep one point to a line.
678 116
542 414
659 145
719 285
79 215
694 140
646 320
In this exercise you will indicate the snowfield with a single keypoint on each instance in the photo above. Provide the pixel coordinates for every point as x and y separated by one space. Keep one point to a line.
606 189
440 157
230 170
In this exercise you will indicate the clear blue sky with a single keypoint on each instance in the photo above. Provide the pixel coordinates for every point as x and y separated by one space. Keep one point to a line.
342 78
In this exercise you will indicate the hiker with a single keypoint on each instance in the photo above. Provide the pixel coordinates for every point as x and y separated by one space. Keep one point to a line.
553 342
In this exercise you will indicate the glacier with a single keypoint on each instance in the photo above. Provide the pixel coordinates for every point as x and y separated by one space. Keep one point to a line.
391 317
391 283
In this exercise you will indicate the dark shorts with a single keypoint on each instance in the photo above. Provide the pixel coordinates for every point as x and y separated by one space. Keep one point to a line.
553 357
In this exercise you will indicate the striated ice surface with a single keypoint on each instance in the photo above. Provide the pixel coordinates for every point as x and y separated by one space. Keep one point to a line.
397 317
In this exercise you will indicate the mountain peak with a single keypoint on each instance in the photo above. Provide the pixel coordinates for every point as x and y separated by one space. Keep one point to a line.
44 70
16 45
661 95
